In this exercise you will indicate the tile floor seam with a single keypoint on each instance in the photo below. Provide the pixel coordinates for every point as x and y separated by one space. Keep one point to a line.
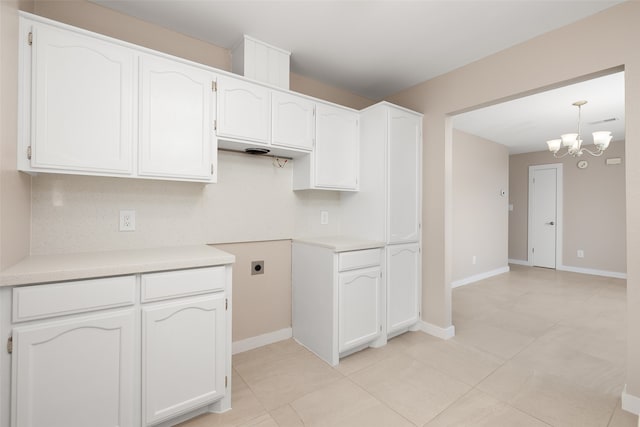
449 406
515 408
297 414
382 402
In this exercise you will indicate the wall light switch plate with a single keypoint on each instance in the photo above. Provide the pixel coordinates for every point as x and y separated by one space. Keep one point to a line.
128 220
324 217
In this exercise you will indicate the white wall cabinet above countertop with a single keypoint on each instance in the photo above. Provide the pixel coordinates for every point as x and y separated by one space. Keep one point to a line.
92 105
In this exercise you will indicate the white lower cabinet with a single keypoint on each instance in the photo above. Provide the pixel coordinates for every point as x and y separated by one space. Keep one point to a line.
336 299
403 289
126 351
359 307
183 363
75 373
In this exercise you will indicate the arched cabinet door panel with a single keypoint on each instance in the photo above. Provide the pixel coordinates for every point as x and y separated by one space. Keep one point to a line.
403 286
82 96
183 355
75 373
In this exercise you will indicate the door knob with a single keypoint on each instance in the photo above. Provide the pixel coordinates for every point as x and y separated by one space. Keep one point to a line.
550 223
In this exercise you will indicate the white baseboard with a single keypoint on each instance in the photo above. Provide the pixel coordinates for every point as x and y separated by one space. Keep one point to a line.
520 262
593 272
630 403
437 331
480 276
261 340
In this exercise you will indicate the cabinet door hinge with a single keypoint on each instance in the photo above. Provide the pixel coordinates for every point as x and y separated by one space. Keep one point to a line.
29 152
226 304
214 86
211 168
30 38
226 381
215 125
10 345
380 328
533 250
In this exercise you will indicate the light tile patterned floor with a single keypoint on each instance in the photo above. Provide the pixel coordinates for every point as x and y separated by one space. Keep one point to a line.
533 347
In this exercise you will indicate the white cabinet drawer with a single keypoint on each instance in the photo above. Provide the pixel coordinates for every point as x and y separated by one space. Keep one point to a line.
58 299
172 284
358 259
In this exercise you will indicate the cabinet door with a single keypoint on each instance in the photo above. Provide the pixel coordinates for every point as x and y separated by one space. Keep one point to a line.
183 356
403 286
82 103
244 110
176 120
293 121
75 373
405 141
359 307
336 150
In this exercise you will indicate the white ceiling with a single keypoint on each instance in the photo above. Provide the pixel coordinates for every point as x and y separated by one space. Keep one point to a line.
372 48
524 125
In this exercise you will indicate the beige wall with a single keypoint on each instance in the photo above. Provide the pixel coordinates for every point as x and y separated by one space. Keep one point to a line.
594 209
602 41
261 303
14 186
480 221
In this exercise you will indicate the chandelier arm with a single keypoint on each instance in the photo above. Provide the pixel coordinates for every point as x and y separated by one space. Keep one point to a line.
560 156
596 154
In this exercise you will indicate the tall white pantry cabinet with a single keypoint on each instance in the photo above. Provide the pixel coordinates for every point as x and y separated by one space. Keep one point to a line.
388 207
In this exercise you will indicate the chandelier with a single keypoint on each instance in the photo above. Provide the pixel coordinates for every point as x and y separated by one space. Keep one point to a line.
573 142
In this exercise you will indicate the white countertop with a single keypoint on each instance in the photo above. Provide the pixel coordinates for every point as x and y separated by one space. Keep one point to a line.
340 243
54 268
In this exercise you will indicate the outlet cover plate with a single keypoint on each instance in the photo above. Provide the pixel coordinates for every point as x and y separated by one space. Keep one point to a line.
128 220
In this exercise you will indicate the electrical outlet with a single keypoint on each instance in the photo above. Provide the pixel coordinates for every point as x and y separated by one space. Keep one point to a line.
580 253
257 267
324 217
473 260
128 220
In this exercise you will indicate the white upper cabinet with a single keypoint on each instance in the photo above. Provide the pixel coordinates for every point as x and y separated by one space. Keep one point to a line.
176 120
92 105
333 163
244 111
293 121
404 176
336 153
82 97
388 204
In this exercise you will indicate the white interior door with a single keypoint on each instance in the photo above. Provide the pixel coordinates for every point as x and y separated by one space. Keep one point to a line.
543 215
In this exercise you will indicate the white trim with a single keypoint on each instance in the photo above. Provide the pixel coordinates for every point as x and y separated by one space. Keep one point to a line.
520 262
630 403
436 331
479 276
593 272
559 210
261 340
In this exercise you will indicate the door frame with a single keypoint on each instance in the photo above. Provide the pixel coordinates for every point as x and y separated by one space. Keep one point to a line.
559 211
